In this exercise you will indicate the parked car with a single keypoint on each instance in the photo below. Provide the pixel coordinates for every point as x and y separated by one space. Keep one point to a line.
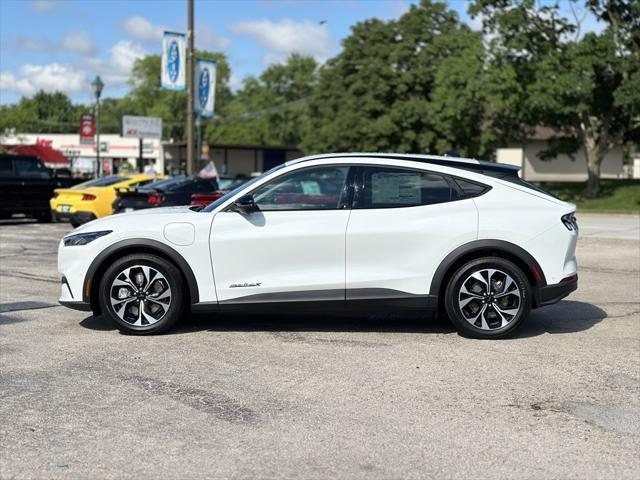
64 178
90 200
26 186
369 231
225 185
174 192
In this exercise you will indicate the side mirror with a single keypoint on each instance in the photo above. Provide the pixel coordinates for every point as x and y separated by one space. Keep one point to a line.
245 204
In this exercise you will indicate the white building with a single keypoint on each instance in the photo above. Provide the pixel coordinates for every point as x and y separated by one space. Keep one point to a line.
114 149
562 168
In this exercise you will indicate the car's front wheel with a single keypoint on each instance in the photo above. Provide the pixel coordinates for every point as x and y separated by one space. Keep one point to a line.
143 294
488 298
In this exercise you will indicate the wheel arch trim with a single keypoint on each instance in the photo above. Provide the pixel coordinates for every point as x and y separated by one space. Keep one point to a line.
149 246
499 246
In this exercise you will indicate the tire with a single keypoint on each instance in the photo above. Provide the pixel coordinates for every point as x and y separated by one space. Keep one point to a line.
74 223
488 298
44 217
122 281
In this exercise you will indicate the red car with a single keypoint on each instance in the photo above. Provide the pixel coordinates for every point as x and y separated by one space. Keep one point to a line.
226 185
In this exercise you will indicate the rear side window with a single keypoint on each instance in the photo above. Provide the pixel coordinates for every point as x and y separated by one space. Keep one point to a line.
386 187
6 169
470 189
31 168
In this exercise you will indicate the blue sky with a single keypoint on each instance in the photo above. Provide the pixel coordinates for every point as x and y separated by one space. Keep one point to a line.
63 44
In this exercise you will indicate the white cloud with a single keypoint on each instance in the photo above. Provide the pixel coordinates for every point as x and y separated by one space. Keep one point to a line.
50 78
288 36
272 58
78 42
206 38
141 29
235 83
115 70
45 5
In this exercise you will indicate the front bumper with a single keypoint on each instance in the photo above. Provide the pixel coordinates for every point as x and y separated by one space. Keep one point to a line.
551 294
82 306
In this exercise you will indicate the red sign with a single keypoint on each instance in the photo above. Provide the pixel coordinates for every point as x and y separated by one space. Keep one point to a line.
87 129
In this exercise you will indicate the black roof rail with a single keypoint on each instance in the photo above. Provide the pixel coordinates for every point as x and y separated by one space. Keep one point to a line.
496 170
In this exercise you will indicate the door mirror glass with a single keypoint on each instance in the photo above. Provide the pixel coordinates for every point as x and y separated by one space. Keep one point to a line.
245 204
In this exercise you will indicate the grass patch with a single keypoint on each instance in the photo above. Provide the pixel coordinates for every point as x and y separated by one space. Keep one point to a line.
616 196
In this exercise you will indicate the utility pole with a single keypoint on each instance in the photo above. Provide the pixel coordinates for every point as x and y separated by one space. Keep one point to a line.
190 83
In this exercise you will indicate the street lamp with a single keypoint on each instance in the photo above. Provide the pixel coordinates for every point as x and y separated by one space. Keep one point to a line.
97 86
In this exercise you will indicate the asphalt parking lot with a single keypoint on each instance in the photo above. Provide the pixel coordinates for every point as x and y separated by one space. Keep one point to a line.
379 396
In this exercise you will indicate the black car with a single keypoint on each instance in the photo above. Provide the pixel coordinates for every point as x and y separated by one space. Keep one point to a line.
26 186
164 193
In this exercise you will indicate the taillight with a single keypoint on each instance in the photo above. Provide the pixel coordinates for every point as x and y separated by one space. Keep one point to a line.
87 197
570 221
154 199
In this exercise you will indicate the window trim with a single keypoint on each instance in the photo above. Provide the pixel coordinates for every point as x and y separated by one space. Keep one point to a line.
347 204
450 179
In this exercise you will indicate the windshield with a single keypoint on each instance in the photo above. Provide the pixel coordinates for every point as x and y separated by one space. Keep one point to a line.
101 182
212 206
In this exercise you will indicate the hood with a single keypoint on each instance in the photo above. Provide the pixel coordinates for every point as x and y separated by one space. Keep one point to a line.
147 219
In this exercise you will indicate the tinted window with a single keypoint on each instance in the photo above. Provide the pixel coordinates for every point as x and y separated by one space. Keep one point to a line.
30 167
319 188
397 187
6 170
101 182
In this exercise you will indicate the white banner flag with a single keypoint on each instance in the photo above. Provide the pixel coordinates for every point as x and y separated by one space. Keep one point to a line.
205 86
174 62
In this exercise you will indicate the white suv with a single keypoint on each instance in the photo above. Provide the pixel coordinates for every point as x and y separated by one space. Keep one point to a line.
371 231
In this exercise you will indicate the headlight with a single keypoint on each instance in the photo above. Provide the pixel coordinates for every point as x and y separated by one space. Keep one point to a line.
83 238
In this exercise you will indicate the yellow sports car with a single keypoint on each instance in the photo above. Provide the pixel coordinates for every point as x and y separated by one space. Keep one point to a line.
90 200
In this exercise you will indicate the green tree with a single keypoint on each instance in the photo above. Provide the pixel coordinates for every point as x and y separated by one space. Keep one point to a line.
407 85
543 72
42 113
271 109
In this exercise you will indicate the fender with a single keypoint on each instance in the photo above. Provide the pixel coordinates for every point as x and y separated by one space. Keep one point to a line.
477 245
147 244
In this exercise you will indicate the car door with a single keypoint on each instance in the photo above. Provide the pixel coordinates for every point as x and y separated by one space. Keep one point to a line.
292 248
403 223
10 186
36 181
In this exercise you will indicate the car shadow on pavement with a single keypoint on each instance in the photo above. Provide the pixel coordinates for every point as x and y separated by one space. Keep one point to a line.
567 316
296 322
564 317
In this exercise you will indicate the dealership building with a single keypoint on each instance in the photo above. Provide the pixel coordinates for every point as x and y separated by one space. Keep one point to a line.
169 157
114 150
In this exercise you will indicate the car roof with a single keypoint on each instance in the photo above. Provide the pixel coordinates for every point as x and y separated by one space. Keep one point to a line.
471 164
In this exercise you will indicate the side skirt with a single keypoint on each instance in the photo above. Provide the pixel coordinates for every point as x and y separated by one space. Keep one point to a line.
383 301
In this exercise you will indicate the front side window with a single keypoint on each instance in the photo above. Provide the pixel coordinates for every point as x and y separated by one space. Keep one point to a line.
316 188
388 187
31 168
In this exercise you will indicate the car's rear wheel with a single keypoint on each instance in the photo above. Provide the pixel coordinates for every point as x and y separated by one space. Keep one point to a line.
488 298
143 294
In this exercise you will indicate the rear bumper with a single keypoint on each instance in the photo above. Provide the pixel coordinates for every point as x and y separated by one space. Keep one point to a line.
76 217
551 294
